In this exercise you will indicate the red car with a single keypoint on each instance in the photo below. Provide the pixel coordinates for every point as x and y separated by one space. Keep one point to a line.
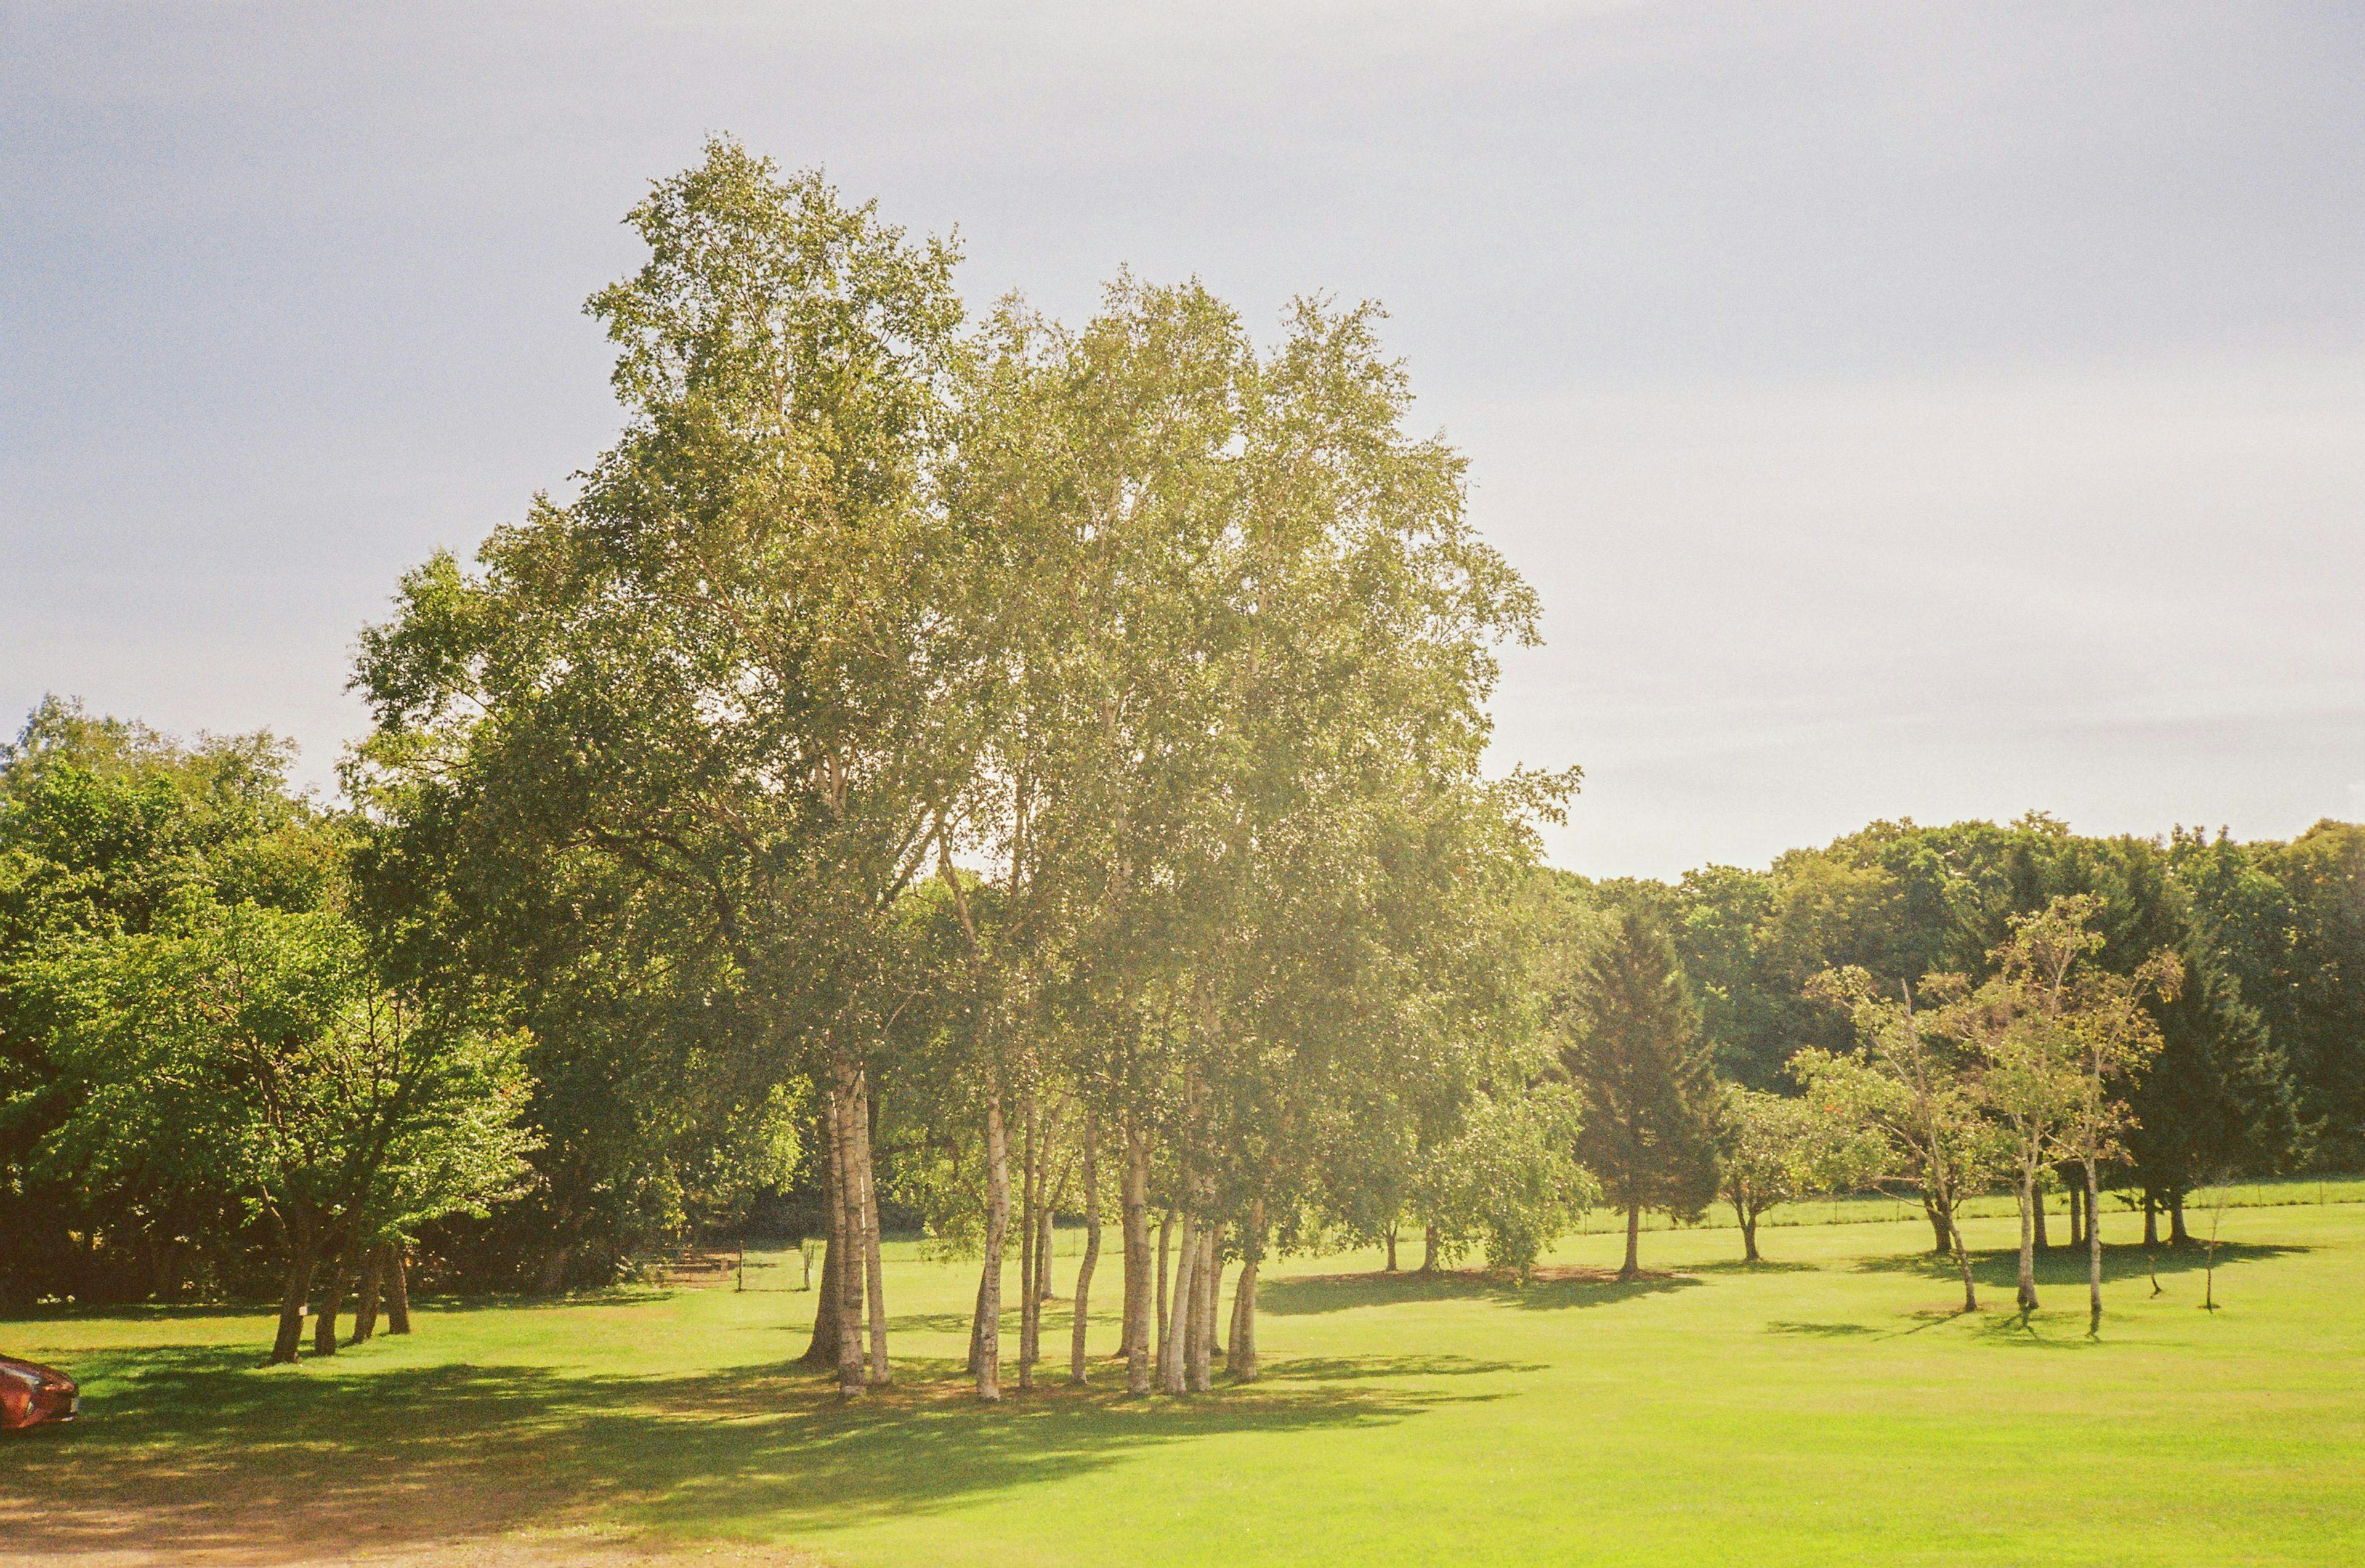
33 1396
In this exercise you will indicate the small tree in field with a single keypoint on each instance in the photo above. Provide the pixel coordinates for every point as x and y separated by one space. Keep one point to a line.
1508 1182
1905 1087
1778 1147
2054 1036
1633 1049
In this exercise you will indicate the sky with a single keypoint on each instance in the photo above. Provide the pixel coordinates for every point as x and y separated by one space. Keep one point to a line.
1929 411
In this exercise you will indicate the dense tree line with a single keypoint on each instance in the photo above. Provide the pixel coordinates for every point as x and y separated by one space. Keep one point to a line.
946 774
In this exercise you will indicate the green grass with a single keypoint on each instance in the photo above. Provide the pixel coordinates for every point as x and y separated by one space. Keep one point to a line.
1826 1408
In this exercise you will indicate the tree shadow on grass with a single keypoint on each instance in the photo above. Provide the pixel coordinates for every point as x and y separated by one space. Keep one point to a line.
2059 1266
193 1451
1821 1330
1551 1290
1763 1266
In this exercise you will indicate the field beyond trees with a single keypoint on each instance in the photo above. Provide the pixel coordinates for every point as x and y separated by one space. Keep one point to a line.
1829 1407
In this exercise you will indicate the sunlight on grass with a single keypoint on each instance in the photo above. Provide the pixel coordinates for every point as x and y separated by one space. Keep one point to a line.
1829 1407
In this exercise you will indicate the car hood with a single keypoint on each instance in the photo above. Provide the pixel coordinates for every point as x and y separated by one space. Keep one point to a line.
47 1374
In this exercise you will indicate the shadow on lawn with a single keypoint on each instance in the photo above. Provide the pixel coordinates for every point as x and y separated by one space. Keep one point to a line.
2059 1266
1551 1290
193 1450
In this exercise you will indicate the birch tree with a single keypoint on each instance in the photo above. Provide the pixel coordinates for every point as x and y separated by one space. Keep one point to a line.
741 664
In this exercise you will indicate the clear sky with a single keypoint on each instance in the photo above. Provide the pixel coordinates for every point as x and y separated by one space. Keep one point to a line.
1911 410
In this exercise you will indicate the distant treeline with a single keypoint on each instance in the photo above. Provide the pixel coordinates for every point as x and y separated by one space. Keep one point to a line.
2263 1067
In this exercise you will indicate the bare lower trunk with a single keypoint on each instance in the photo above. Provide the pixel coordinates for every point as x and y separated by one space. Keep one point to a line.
1749 1238
1165 1243
2041 1242
366 1311
2027 1241
842 1107
997 1223
1030 1188
2176 1234
1428 1249
2094 1256
873 1262
1201 1372
1078 1368
398 1290
976 1328
1175 1330
300 1269
821 1350
2076 1214
332 1302
1962 1261
1391 1238
2151 1217
1633 1268
1137 1288
1241 1361
1043 1291
1942 1225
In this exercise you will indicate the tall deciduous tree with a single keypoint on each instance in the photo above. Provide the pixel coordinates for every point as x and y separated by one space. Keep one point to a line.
740 666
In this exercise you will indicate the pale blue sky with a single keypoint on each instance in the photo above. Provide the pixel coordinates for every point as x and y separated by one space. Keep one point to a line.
1914 410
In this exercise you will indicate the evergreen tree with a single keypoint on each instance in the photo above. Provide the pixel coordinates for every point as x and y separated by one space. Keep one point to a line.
2219 1097
1633 1047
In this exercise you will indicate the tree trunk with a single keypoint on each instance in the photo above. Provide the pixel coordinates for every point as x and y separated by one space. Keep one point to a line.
842 1107
2176 1234
1030 1186
1043 1291
1428 1249
822 1349
1077 1369
976 1328
366 1312
1749 1238
551 1278
1138 1289
2037 1220
2093 1258
1962 1260
1241 1355
1209 1285
332 1302
398 1290
873 1263
2076 1214
300 1269
1392 1249
2151 1217
1175 1331
1165 1240
2027 1241
1633 1268
997 1225
1942 1225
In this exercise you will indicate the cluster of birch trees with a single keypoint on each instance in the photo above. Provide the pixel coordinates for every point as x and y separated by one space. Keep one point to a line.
1056 750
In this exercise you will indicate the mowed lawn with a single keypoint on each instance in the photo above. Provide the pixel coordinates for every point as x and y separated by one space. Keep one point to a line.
1827 1408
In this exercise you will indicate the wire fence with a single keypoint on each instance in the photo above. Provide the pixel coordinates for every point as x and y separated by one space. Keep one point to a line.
792 1267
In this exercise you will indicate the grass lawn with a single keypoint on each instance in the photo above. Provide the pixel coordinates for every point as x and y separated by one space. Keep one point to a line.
1827 1408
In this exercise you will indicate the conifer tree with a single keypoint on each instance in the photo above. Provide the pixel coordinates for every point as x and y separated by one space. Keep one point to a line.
1633 1047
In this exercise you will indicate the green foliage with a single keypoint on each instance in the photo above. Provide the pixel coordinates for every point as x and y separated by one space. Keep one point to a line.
246 1056
1506 1182
1631 1043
